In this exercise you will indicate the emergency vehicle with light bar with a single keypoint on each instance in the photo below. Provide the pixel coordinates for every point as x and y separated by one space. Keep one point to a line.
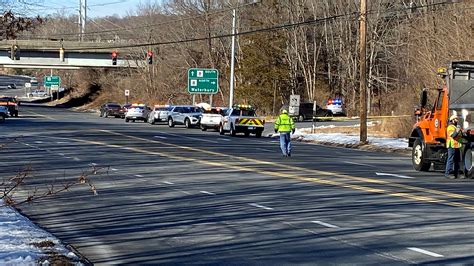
11 104
242 119
336 106
455 96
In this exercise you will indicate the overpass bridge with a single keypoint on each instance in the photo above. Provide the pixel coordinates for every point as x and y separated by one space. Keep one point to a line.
74 55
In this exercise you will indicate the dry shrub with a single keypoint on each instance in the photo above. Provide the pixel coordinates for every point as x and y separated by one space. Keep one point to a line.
396 127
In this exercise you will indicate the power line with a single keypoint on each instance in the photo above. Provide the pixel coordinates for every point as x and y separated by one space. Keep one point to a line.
268 29
148 25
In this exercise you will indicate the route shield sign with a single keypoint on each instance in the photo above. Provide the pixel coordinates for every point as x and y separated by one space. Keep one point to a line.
203 81
51 80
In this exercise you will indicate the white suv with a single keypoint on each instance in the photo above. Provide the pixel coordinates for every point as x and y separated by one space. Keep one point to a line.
159 114
186 115
212 118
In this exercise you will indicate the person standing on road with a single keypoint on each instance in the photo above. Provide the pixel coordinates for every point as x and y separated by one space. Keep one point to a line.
285 126
454 144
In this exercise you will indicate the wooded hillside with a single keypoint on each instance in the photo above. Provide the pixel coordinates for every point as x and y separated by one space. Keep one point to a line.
305 47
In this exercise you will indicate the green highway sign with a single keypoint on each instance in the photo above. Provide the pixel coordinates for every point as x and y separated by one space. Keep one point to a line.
203 81
51 81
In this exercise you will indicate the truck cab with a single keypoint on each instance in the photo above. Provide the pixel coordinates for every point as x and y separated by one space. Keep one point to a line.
428 137
242 119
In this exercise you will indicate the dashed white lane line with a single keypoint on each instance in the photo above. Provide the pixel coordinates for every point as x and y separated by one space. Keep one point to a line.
168 182
92 164
138 175
223 139
76 159
113 169
325 224
207 192
426 252
394 175
361 164
261 149
38 142
160 137
61 154
261 206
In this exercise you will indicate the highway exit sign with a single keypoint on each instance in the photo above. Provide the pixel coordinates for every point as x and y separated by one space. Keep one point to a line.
203 81
50 81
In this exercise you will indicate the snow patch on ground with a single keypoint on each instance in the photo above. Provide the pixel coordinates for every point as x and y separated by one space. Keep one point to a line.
18 236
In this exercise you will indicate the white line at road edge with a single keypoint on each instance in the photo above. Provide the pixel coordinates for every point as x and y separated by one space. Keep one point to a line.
429 253
395 175
207 192
325 224
261 206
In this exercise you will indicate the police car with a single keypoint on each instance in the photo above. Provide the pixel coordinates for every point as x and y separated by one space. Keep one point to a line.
336 106
137 112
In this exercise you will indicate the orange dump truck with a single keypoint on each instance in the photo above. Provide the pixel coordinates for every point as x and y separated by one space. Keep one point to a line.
428 138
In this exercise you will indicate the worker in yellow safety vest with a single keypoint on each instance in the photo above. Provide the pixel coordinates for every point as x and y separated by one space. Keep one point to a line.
284 125
454 144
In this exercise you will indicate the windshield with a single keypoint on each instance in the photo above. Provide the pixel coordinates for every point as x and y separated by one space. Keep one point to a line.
248 112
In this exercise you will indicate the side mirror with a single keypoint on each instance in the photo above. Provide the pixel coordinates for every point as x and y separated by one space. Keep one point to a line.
424 98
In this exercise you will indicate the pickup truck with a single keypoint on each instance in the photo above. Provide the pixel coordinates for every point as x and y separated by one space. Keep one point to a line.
242 119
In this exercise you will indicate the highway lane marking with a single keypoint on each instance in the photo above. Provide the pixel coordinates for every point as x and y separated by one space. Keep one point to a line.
223 139
40 115
261 206
61 154
160 137
207 192
426 252
394 175
191 138
325 224
296 168
168 182
360 164
39 142
138 175
262 149
113 169
331 181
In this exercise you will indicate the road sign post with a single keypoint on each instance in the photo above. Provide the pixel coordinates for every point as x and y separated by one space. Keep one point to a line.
203 81
127 93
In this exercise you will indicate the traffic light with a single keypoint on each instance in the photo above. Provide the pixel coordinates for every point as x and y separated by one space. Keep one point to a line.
149 57
114 58
15 52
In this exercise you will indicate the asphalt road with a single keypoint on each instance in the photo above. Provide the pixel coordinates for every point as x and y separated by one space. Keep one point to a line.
182 196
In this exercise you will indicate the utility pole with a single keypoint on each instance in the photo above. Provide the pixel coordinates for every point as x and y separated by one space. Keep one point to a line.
363 72
232 59
82 18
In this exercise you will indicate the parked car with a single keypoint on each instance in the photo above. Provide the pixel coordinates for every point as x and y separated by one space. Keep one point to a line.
212 118
306 112
186 115
38 93
112 109
137 112
11 104
3 114
159 114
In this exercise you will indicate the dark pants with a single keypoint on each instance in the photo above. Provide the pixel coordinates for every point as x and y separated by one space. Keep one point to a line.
452 164
285 143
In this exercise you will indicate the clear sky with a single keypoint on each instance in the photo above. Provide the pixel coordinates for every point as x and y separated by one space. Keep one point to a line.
96 8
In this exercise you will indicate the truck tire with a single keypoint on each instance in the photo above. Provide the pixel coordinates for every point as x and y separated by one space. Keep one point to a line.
221 130
258 134
16 113
203 128
2 118
232 130
468 163
418 157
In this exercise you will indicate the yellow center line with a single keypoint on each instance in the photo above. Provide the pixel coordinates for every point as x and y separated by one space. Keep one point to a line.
283 175
296 168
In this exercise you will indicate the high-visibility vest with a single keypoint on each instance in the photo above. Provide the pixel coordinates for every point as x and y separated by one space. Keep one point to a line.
453 142
284 123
